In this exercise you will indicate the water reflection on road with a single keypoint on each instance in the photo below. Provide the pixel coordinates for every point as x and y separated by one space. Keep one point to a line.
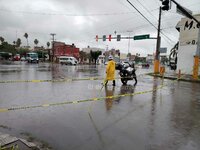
166 118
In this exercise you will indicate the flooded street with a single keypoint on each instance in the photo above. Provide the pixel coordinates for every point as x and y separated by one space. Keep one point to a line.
161 115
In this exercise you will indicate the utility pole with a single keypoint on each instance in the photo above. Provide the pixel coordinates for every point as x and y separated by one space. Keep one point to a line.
156 61
129 42
53 34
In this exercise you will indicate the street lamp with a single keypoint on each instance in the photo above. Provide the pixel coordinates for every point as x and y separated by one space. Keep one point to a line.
53 34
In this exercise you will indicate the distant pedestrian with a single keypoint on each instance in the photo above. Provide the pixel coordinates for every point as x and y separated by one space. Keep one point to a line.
110 71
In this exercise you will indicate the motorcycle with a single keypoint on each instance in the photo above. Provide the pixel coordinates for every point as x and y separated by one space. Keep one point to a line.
126 72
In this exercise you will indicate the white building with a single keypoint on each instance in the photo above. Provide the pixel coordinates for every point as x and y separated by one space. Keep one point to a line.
187 44
94 49
101 58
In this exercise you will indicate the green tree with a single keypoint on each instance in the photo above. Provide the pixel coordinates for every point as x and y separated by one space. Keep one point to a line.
83 55
94 55
1 39
129 55
22 51
18 42
5 47
36 42
26 36
137 58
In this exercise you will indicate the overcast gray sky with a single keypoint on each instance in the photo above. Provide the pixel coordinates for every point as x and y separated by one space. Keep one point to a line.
79 21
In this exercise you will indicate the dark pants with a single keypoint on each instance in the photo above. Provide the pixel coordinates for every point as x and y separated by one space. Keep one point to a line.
107 82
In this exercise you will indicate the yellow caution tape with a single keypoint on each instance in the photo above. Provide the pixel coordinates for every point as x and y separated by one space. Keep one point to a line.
72 102
60 80
79 101
3 110
36 80
45 105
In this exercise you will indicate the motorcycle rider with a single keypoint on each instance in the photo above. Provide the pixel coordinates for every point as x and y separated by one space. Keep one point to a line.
110 71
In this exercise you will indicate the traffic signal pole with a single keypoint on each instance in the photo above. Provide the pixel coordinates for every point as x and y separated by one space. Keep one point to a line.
157 61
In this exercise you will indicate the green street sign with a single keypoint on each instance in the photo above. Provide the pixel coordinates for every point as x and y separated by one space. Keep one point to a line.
141 37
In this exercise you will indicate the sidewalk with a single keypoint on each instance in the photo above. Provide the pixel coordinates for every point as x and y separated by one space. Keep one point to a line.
9 142
172 75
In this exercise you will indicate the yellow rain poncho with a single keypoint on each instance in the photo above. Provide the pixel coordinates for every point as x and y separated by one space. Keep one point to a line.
110 70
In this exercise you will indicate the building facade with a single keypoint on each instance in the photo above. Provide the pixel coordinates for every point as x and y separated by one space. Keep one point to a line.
62 49
187 48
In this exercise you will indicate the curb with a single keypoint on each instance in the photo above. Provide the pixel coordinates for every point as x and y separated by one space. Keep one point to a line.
174 78
7 141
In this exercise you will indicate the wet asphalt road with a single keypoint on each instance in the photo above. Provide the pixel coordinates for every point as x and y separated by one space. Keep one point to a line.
165 119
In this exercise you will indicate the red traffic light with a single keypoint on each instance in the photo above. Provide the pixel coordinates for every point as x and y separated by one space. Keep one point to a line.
109 37
97 38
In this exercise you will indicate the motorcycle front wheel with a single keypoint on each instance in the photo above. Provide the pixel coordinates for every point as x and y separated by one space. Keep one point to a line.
124 81
124 78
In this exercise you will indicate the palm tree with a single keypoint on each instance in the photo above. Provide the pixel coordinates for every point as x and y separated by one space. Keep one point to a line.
18 42
129 56
1 39
26 36
36 42
14 42
48 44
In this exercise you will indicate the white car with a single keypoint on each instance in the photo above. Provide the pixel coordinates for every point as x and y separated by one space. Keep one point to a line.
23 59
68 60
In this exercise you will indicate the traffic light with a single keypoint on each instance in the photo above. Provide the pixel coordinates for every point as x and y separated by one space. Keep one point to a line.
97 38
109 37
118 37
165 4
104 37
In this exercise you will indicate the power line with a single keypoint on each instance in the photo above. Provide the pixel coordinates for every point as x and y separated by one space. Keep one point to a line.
146 9
142 14
67 14
149 21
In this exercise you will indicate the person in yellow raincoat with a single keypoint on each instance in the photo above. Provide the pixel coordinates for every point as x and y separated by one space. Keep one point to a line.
110 71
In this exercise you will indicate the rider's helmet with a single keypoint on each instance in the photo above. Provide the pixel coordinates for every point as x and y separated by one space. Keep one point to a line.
110 57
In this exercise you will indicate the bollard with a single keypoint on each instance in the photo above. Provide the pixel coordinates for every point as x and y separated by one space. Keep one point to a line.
196 67
156 66
162 71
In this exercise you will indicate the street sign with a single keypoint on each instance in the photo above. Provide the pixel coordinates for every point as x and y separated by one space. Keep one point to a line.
141 37
163 50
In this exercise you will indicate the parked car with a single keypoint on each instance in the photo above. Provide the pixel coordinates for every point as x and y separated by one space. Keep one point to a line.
68 60
145 65
16 57
23 59
32 57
